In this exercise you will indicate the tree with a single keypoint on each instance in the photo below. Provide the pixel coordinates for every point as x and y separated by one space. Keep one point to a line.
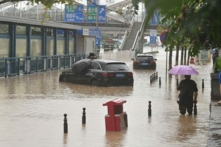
198 22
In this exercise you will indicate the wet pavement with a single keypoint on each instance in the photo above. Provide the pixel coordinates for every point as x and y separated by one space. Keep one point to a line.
32 108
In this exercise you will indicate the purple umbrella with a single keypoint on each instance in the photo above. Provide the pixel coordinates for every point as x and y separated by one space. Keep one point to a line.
183 70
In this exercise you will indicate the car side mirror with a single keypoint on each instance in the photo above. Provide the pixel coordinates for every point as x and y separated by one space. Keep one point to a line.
155 59
132 59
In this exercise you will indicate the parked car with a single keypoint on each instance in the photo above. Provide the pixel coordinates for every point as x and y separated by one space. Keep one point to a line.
144 61
98 72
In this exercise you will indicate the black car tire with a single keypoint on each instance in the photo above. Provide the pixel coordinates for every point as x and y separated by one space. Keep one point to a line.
61 78
94 83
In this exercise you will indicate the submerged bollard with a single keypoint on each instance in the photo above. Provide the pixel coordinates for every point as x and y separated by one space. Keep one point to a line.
84 116
195 109
160 81
149 109
65 124
156 75
203 83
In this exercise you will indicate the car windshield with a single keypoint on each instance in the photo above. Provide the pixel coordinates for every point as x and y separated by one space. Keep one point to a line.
116 67
143 58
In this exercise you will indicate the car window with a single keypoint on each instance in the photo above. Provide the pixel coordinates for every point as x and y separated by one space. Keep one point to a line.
142 58
116 67
95 65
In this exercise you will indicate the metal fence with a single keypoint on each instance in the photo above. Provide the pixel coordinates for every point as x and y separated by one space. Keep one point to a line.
26 65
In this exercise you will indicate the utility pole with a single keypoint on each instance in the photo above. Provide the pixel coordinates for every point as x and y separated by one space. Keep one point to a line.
97 48
97 4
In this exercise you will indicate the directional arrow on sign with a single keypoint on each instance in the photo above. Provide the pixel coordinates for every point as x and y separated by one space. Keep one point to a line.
102 9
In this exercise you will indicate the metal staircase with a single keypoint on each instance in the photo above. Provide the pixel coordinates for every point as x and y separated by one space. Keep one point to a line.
132 35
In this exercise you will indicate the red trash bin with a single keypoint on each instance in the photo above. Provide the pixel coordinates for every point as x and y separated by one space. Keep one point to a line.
116 119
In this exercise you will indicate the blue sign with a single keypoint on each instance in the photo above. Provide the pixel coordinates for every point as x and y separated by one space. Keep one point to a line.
155 20
163 36
96 32
98 41
74 13
153 39
102 14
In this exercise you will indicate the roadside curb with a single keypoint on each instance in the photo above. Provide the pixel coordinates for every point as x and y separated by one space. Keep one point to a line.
214 136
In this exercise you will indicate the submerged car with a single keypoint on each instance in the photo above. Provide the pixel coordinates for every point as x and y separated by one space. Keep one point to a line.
144 61
98 72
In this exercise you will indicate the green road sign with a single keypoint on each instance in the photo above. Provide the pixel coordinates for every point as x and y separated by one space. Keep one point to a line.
71 8
91 13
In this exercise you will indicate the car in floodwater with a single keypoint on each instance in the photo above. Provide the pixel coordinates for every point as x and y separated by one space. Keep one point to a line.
99 72
144 61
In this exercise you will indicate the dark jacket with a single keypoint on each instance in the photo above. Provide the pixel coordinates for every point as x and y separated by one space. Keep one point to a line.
187 87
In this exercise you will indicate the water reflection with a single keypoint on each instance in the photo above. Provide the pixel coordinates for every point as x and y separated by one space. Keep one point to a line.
92 91
186 127
65 138
114 139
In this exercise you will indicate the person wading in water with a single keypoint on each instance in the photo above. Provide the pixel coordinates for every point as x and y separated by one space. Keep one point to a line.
188 89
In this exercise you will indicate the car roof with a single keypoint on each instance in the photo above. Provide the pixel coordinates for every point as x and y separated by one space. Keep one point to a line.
107 61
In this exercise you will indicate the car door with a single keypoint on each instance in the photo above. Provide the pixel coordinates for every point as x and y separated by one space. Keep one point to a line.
94 68
85 76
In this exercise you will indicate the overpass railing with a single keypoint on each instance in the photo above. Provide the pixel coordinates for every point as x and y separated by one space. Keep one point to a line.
126 34
137 43
26 65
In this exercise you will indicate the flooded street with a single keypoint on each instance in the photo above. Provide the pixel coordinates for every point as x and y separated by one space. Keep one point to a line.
32 111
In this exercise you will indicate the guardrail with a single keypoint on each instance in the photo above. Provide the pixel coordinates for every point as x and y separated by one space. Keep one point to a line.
139 33
26 65
126 34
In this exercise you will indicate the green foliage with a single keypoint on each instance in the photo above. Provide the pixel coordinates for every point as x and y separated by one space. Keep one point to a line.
49 3
195 24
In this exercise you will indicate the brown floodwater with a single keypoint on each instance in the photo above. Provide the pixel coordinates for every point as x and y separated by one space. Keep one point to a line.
32 108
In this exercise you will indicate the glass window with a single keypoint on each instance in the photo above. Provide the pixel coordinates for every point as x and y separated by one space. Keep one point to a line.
50 47
116 67
71 46
49 32
4 28
21 47
35 47
36 31
4 49
143 58
21 30
95 65
60 47
60 32
71 33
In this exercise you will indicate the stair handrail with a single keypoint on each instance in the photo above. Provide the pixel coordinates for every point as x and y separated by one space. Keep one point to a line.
126 34
138 33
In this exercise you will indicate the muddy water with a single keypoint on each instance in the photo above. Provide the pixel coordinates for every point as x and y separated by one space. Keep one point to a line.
32 109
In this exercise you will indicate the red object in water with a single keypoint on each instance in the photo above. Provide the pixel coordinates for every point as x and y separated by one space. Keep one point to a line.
116 119
192 60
